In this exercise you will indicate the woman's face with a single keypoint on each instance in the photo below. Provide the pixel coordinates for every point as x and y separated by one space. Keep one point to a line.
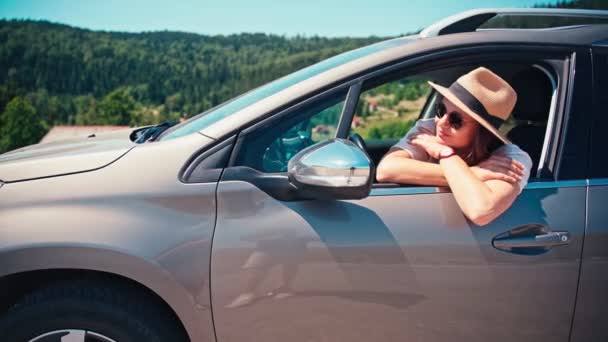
454 137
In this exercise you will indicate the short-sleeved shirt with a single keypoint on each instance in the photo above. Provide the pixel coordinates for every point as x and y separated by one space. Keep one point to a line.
427 126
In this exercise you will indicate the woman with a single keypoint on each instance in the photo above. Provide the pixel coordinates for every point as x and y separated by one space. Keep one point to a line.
462 148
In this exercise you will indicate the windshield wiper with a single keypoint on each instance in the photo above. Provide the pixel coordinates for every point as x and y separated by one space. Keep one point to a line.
151 133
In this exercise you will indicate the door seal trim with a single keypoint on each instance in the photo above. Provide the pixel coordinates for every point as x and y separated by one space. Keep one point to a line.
416 190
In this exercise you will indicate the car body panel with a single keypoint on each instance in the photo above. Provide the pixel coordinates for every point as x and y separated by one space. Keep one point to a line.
64 156
591 317
134 218
592 306
389 268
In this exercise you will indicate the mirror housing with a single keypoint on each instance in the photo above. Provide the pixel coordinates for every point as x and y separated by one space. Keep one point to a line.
332 169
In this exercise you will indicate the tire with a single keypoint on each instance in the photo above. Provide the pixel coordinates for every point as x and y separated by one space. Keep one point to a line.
105 311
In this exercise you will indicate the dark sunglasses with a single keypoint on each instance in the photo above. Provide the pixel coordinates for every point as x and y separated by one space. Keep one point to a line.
454 118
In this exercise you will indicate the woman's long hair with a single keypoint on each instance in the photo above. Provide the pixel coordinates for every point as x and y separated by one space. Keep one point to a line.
483 145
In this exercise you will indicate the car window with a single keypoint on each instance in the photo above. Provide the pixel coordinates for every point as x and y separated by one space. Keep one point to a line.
270 147
388 111
599 156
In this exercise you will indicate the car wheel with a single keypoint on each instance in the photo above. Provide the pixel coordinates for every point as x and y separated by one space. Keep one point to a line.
87 311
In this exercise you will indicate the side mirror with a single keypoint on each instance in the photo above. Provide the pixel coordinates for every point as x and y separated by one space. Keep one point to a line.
333 169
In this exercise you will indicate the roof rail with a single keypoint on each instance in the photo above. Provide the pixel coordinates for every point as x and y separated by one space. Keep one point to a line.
469 21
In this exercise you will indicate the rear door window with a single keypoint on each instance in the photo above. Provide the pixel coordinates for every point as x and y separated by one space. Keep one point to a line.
599 154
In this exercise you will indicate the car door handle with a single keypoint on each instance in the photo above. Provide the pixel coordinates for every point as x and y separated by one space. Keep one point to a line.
546 240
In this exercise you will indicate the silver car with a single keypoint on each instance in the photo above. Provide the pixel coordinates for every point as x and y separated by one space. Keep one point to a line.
260 220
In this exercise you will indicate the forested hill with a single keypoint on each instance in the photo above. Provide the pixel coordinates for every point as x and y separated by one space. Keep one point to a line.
168 72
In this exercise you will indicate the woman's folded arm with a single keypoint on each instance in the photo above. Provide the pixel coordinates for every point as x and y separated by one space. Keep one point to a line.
398 167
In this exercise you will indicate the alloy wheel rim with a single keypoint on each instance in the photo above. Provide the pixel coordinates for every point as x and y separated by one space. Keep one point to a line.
71 335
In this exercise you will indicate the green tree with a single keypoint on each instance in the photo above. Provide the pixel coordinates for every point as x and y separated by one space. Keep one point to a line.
86 108
19 125
390 129
116 108
144 116
363 108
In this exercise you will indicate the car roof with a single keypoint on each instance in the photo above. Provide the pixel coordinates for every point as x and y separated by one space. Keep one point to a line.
472 20
403 48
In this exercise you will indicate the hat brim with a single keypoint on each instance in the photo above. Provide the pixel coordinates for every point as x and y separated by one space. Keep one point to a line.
445 92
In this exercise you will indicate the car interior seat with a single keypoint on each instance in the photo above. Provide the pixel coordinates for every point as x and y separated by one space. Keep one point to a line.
534 92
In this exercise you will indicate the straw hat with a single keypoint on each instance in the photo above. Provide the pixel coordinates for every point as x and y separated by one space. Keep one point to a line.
484 96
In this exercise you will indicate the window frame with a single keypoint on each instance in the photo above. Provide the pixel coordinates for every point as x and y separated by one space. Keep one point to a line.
438 59
510 54
287 114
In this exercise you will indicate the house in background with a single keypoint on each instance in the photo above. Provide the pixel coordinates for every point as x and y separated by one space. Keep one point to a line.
68 132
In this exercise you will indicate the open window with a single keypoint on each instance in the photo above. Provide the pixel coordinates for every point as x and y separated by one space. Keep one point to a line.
390 105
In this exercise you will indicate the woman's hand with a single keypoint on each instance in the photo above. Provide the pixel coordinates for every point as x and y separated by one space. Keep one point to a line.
430 143
500 168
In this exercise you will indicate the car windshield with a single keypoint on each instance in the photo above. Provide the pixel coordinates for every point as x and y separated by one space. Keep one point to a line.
215 114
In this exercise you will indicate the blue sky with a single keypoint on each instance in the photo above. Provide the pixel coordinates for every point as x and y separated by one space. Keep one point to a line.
328 18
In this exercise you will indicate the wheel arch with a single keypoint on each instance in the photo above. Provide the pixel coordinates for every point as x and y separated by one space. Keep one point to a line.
32 268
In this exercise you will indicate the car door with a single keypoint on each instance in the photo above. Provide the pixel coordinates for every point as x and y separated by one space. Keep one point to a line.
402 264
591 317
